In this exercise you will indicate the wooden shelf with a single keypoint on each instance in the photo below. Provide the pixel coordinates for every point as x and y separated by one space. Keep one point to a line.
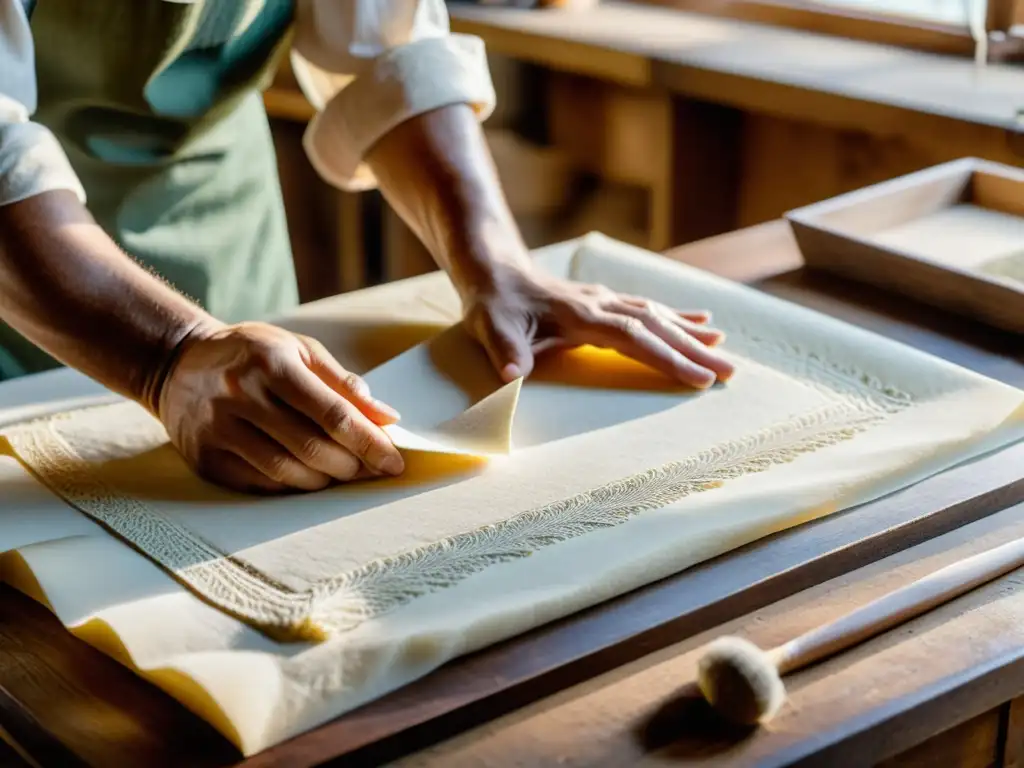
750 66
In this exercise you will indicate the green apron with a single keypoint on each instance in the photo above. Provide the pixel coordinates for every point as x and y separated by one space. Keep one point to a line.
158 107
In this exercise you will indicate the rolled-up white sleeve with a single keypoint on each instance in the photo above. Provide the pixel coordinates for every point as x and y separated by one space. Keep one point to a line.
31 159
369 65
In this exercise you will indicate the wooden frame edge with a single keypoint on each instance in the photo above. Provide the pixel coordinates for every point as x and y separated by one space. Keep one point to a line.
903 32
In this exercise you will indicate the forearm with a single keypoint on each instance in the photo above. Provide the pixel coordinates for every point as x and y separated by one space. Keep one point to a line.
68 288
437 172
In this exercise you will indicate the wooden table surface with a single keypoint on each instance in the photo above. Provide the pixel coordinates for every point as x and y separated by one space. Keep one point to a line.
608 686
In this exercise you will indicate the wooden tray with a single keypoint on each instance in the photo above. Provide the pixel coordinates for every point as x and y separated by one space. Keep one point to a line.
951 236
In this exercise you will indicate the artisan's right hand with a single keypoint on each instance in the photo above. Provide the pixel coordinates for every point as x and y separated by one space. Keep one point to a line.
255 408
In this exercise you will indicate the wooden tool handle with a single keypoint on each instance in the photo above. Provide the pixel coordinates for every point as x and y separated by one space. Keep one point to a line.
897 607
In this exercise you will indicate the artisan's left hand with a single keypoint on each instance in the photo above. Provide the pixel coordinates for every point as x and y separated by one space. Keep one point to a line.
526 312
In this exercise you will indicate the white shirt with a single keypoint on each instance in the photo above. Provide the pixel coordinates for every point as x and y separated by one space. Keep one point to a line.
366 65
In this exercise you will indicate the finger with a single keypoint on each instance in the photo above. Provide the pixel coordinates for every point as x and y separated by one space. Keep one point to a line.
648 311
304 439
230 471
347 384
709 337
693 315
300 388
506 346
632 338
681 341
270 457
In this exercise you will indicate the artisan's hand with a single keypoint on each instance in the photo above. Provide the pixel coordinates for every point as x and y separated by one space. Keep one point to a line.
525 312
255 408
437 173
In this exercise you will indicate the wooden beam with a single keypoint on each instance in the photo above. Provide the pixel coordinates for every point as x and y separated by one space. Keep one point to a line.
887 29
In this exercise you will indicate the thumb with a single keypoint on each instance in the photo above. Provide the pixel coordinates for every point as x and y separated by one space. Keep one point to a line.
507 347
347 384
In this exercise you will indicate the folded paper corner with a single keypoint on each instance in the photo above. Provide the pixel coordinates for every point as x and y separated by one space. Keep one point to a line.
484 429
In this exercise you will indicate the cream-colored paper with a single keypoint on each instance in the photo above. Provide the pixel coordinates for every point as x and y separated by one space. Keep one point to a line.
964 236
615 478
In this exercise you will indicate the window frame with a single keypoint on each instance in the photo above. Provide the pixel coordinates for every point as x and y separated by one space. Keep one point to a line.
1004 23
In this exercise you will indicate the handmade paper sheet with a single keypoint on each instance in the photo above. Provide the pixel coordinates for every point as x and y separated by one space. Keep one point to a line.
521 503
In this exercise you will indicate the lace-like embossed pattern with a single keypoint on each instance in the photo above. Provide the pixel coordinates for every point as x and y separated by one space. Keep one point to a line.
826 376
383 585
226 582
343 603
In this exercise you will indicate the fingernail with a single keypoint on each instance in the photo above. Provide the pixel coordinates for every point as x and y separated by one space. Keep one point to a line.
511 372
392 465
708 381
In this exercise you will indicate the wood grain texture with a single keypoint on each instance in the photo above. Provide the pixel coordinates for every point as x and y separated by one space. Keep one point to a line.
68 705
898 607
789 163
850 23
480 687
12 756
976 743
882 698
1013 747
754 67
554 658
767 257
500 678
836 235
1004 15
706 172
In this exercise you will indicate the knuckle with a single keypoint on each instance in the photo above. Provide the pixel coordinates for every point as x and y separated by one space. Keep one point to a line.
267 355
339 420
275 466
361 442
268 360
311 450
355 383
309 341
348 468
586 313
628 326
232 385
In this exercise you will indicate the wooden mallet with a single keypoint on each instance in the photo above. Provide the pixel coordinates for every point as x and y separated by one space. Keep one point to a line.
744 683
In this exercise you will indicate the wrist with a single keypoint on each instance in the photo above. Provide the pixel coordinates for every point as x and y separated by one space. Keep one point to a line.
173 345
486 258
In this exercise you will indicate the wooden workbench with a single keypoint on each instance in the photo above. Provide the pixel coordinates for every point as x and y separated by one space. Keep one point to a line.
717 123
729 123
607 687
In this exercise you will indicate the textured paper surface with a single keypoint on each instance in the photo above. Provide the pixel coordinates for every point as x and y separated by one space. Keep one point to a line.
615 478
964 236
